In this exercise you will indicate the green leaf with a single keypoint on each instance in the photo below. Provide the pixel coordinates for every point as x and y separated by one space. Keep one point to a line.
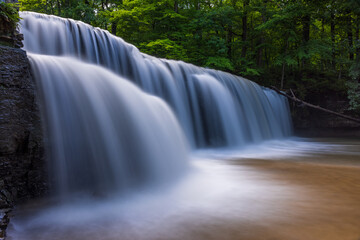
219 63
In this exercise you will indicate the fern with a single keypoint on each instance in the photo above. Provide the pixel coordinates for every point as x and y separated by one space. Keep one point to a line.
9 15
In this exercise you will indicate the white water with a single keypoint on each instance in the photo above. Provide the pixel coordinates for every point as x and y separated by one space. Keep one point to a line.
105 134
215 109
129 124
218 199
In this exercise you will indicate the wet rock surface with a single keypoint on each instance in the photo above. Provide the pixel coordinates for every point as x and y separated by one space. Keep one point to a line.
22 174
4 221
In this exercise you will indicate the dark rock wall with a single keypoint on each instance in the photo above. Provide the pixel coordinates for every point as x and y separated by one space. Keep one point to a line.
22 166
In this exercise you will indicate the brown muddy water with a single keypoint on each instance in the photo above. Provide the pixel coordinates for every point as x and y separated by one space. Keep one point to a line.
297 189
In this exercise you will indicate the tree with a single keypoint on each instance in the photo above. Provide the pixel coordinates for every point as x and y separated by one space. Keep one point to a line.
311 46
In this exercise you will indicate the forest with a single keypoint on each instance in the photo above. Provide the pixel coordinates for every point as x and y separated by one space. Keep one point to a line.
312 47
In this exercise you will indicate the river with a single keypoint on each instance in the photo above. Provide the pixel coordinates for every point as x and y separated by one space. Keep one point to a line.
289 189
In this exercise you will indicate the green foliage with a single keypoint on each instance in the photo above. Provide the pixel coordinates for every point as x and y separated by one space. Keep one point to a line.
9 15
354 95
32 5
81 11
164 48
354 71
220 63
311 45
354 87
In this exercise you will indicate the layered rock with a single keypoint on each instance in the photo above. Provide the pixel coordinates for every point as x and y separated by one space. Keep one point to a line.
22 172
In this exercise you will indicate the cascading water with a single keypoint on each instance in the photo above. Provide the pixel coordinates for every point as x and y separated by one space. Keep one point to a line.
105 134
215 109
117 120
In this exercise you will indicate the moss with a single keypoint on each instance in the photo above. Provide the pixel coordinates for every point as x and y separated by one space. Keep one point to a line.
9 20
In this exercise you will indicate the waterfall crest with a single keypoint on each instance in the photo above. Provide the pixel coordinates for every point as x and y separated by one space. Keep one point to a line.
215 109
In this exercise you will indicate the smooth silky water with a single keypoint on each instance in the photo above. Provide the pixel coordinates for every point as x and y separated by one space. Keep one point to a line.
293 189
147 148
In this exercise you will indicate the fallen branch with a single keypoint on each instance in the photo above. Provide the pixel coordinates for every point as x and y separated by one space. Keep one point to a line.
295 99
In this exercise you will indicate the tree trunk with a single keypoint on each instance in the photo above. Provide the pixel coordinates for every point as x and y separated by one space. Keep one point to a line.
52 7
59 7
306 36
46 7
244 29
306 28
176 6
350 36
340 75
332 33
283 67
282 76
229 38
113 28
357 38
197 5
259 55
262 39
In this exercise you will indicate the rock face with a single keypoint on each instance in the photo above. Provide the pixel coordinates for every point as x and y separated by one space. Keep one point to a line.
22 171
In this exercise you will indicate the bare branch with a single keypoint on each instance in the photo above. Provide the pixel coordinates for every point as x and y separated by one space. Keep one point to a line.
295 99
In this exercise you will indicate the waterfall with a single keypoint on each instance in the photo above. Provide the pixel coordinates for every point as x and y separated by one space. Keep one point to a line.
116 117
260 115
105 134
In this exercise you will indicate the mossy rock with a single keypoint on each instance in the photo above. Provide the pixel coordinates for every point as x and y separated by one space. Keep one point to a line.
9 19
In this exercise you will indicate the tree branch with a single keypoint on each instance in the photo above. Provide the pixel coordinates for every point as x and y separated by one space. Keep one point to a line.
295 99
